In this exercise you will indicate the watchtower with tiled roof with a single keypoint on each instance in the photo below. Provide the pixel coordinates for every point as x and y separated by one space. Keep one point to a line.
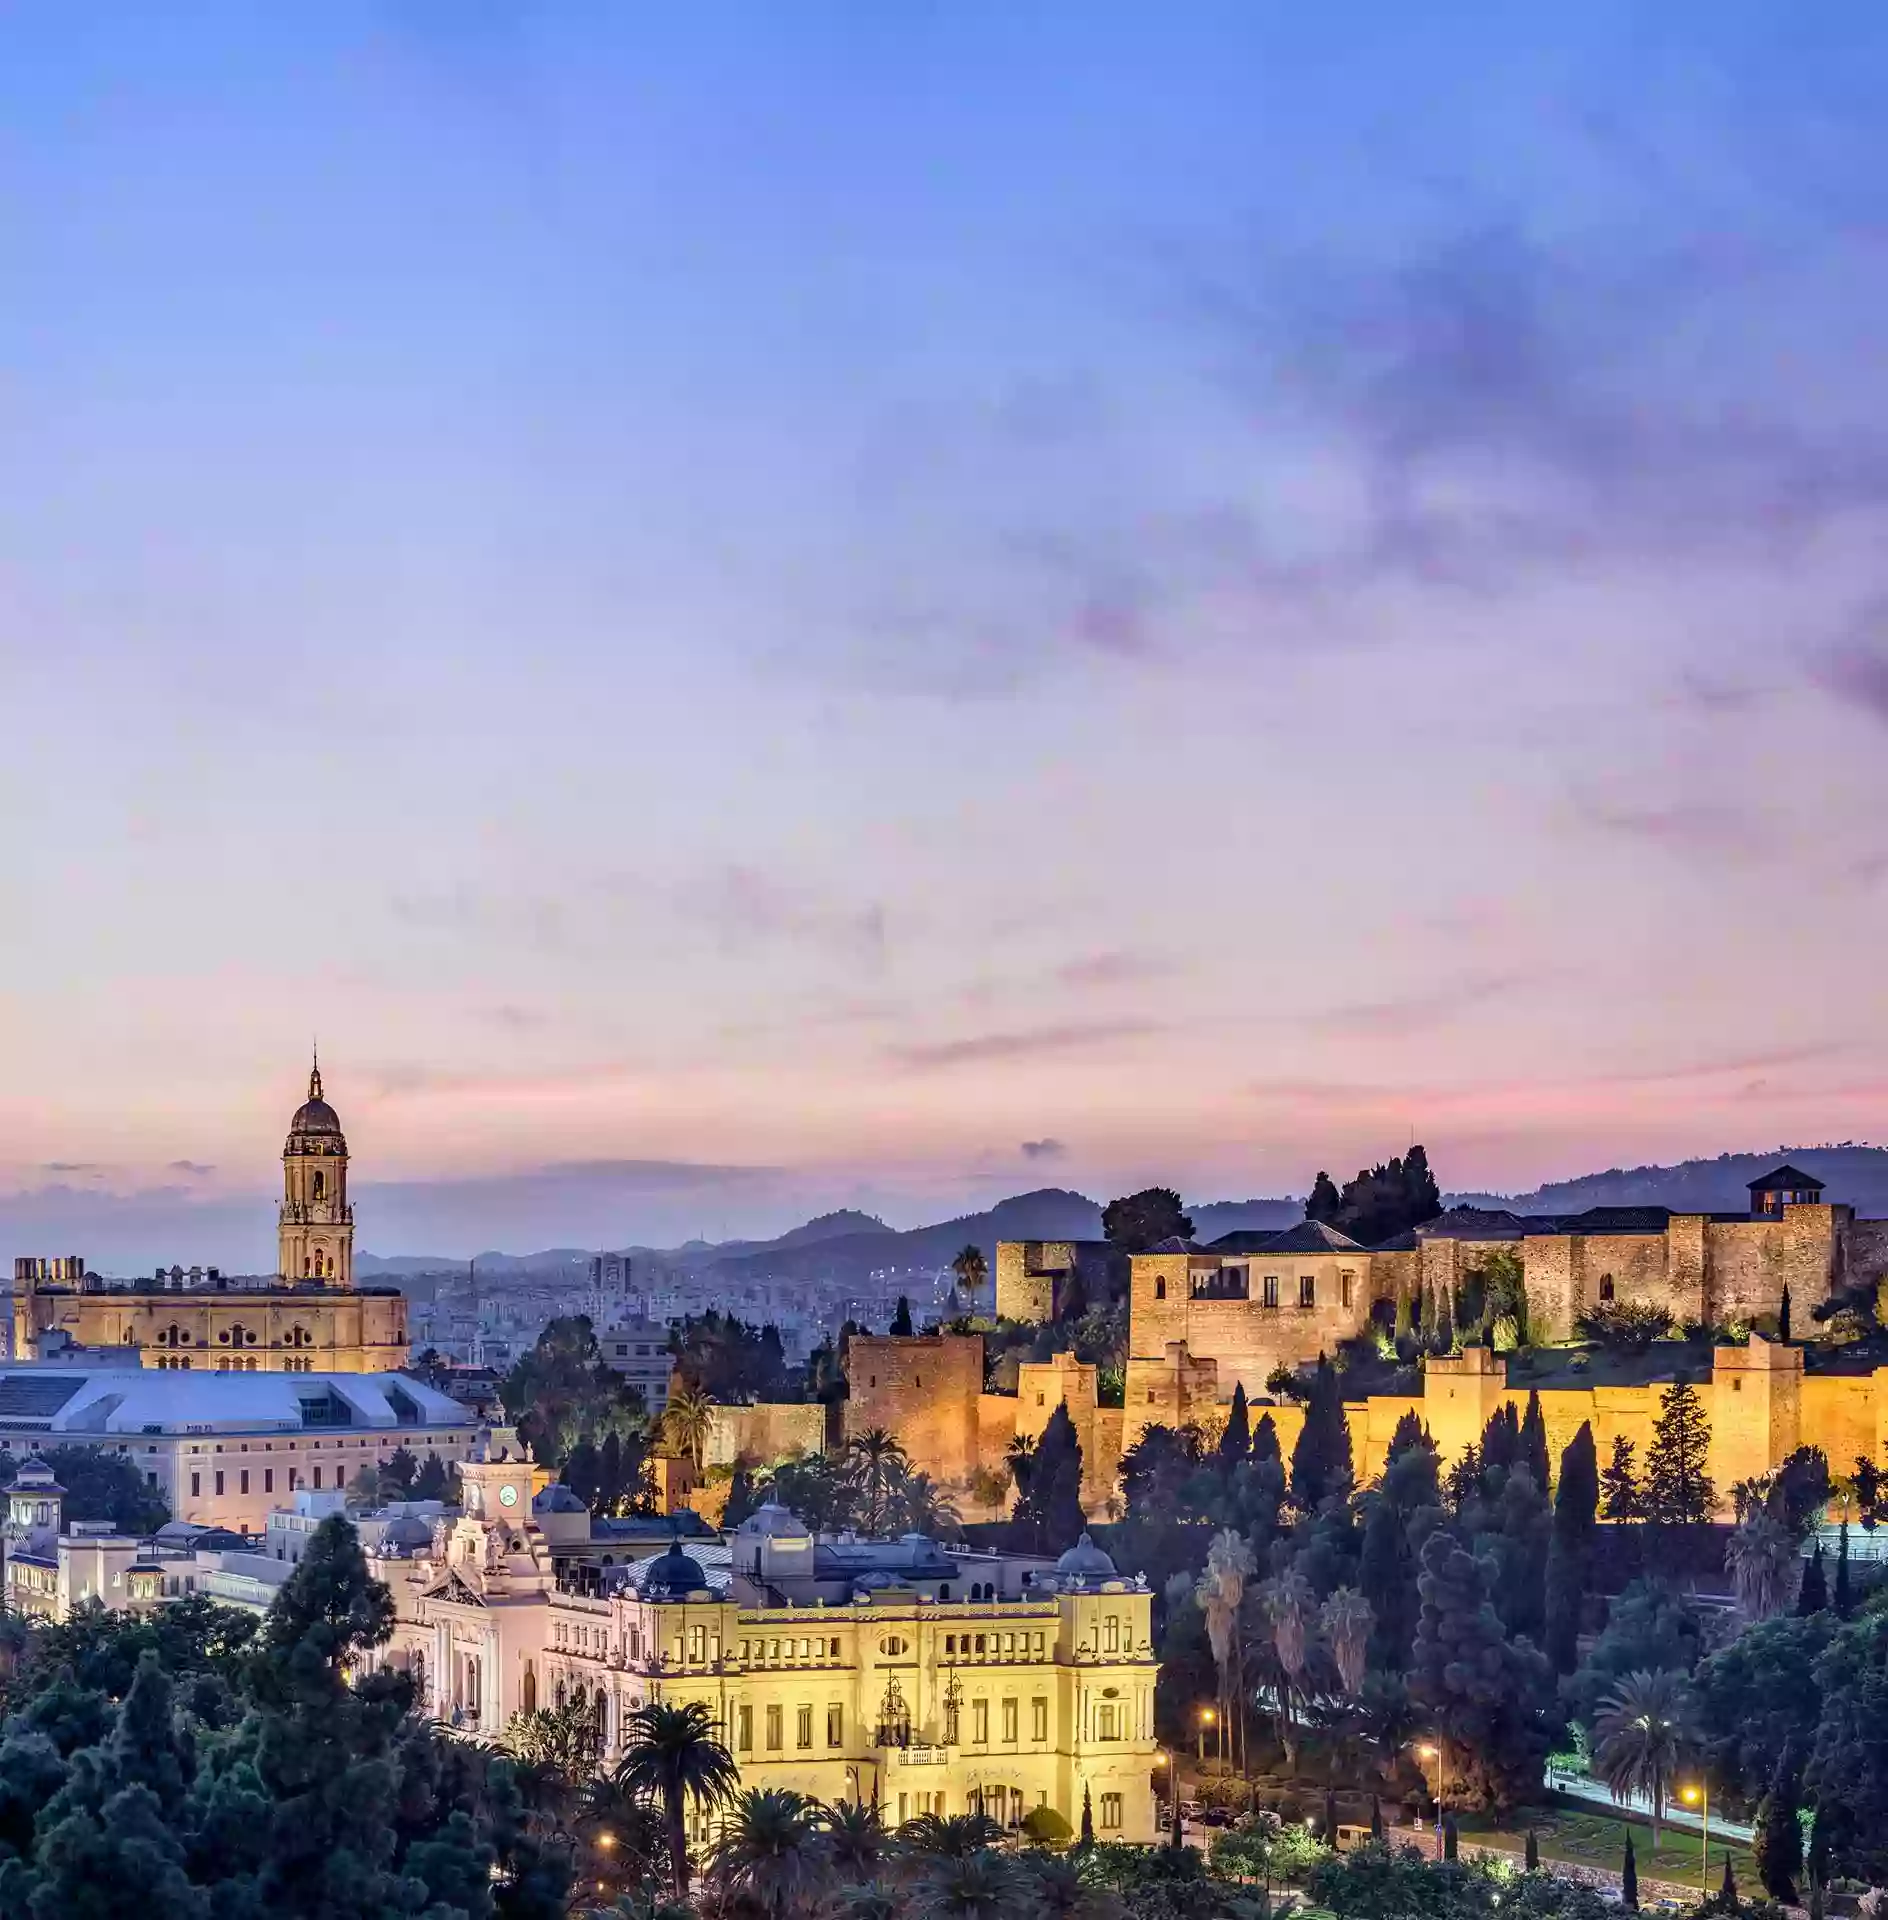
1784 1186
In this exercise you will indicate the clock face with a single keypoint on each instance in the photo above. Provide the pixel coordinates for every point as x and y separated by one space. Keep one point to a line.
507 1496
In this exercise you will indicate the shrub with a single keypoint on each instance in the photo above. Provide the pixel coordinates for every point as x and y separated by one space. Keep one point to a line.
1627 1326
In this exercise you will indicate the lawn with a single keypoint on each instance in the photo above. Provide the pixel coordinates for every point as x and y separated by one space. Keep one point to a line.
1587 1837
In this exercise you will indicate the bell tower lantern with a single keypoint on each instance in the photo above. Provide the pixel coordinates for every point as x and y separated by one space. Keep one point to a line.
315 1237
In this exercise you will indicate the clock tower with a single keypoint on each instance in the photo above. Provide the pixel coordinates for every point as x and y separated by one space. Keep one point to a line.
500 1480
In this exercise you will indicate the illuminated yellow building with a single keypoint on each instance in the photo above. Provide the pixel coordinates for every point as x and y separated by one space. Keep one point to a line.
925 1677
311 1318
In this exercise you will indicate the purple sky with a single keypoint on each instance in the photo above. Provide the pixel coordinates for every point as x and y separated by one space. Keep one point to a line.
828 604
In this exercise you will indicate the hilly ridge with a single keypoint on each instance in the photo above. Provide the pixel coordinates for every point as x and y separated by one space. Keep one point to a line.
848 1243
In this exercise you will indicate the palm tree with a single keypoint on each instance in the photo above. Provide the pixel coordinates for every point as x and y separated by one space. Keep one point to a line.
875 1457
1762 1556
1290 1607
1063 1887
1348 1618
981 1885
1229 1565
917 1504
872 1900
1021 1455
672 1756
971 1269
953 1837
771 1850
1637 1735
687 1419
856 1840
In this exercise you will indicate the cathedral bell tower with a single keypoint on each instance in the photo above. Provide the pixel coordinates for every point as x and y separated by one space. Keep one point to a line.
315 1238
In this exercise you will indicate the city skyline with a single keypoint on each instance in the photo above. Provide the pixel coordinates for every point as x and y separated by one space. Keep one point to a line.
816 616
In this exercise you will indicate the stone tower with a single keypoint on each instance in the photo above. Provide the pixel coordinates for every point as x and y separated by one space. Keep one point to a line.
315 1238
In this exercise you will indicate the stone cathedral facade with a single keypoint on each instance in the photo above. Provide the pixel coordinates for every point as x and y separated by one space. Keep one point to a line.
310 1317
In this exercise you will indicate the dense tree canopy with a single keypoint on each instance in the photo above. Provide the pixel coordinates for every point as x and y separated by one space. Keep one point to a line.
1138 1221
229 1772
561 1393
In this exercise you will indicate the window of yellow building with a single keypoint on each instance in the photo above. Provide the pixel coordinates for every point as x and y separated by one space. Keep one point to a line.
773 1729
1039 1719
1111 1812
835 1726
804 1729
1111 1634
980 1722
744 1730
1009 1721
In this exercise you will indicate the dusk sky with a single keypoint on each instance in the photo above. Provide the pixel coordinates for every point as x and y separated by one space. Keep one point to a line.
782 606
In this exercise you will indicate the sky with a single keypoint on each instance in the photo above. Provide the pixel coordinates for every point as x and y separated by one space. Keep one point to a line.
752 608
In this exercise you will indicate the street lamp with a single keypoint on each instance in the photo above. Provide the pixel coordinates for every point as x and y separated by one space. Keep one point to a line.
1207 1717
1162 1758
1699 1796
1428 1751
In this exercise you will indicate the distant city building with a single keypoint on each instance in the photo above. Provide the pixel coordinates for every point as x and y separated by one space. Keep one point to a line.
225 1449
309 1316
639 1351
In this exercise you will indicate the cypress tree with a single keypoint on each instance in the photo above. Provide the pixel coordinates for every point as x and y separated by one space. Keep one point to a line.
1813 1597
1450 1838
1330 1818
1534 1443
901 1320
1777 1846
1088 1818
1621 1498
1409 1432
1265 1441
1501 1439
1629 1878
1443 1338
1531 1860
1386 1574
1678 1490
1376 1817
1325 1202
1052 1508
1727 1893
1570 1557
1321 1461
1783 1313
1845 1598
1236 1442
1818 1862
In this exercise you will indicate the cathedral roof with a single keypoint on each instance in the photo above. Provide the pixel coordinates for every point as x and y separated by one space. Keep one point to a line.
314 1115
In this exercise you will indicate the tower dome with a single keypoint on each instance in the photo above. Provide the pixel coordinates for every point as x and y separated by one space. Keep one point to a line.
314 1118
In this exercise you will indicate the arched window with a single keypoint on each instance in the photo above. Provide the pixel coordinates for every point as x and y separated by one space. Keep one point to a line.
530 1688
1160 1286
1606 1286
320 1184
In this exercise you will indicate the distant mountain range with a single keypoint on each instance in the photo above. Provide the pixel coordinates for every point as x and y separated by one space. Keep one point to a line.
848 1244
1856 1176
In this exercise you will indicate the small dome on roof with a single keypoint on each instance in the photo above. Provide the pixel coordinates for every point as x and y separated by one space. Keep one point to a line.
673 1575
406 1530
775 1521
1085 1561
558 1498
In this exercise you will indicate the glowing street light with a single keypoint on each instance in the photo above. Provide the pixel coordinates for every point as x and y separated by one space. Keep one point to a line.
1207 1718
1699 1796
1427 1750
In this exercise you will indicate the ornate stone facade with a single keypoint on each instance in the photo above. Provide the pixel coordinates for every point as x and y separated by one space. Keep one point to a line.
310 1319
